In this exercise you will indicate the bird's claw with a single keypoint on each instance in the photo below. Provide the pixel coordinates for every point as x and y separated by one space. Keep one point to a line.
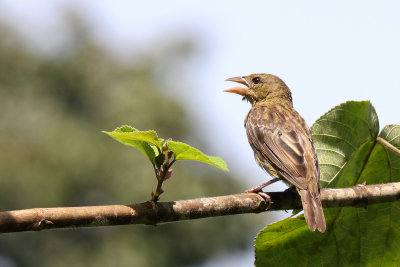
262 194
267 198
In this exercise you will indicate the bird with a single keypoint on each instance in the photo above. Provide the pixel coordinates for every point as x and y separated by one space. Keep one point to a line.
281 141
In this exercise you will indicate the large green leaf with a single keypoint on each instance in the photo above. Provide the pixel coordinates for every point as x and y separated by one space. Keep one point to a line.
339 135
146 141
183 151
349 154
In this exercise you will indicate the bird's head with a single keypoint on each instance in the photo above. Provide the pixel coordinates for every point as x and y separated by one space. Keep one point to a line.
261 87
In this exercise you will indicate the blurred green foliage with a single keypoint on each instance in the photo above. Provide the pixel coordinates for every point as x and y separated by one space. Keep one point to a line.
52 111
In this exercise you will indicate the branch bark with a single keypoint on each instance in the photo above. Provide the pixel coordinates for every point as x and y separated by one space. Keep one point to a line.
154 213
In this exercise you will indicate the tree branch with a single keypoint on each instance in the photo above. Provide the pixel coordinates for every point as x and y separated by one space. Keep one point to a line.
154 213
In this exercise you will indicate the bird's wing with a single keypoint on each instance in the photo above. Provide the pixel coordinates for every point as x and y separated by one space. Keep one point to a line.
284 141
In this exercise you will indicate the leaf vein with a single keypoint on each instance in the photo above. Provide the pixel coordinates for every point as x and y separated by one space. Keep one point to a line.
356 115
390 131
337 122
337 137
331 164
332 150
395 137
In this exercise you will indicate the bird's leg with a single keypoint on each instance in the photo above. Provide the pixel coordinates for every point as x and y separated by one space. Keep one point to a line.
258 190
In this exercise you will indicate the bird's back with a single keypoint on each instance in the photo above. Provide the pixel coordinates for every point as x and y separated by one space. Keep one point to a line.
280 137
283 146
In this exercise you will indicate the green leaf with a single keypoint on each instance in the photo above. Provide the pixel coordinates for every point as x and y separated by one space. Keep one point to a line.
150 144
183 151
146 141
349 154
149 136
125 129
338 135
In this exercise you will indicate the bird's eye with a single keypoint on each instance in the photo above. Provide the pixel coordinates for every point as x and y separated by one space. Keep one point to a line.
256 80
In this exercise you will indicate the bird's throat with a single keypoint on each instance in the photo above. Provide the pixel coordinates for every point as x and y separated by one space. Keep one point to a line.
281 100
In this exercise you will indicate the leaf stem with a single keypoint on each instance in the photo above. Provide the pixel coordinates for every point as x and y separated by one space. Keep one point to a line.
161 175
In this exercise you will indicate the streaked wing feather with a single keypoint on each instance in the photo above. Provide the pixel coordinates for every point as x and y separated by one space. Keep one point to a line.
280 140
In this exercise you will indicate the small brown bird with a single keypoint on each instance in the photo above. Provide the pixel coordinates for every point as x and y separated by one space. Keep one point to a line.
282 141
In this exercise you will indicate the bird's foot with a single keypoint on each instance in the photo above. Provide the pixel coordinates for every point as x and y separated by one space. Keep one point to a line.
262 194
258 190
267 198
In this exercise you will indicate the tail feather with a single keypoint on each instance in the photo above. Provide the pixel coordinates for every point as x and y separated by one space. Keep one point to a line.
313 211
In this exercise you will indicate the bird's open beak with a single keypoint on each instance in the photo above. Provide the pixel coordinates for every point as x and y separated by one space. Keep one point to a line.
239 89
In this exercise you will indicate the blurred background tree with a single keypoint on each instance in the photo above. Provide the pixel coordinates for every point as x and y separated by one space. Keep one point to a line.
52 109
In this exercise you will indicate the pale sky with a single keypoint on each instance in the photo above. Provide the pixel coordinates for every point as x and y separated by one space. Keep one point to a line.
326 52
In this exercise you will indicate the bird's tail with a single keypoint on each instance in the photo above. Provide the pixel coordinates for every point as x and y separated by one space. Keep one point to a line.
313 211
